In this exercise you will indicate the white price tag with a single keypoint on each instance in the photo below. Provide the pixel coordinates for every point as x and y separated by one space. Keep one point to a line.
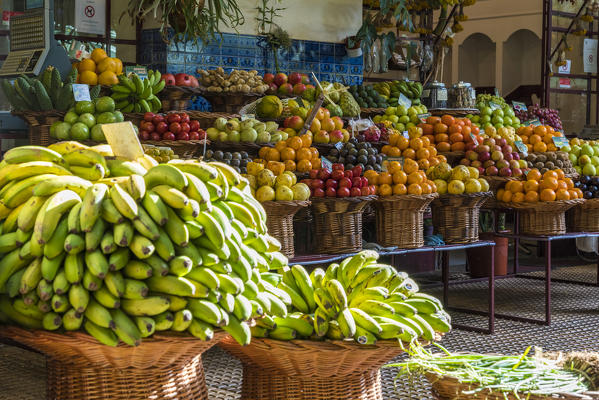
327 165
81 92
405 134
404 101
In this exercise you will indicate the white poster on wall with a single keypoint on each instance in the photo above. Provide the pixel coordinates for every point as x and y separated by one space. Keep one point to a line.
589 55
565 69
90 16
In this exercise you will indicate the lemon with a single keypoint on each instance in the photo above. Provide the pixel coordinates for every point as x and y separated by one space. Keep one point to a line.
472 186
456 187
484 185
301 191
292 175
283 193
441 186
88 78
265 193
284 180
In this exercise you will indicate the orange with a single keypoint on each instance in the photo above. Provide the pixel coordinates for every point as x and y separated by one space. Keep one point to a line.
282 145
540 130
547 195
458 146
386 149
314 152
573 194
548 183
315 126
303 154
539 147
551 174
534 139
579 191
455 129
466 131
263 152
393 139
562 194
410 166
393 167
448 120
98 55
551 147
290 165
107 64
433 186
518 197
433 161
456 137
562 185
400 188
432 151
531 186
433 120
402 142
442 158
295 142
507 196
422 154
524 139
414 188
560 174
531 197
499 194
88 78
276 167
304 166
508 185
440 128
108 78
394 152
427 140
385 190
441 137
516 187
427 129
443 147
426 188
273 155
87 64
288 154
316 163
568 181
534 174
415 177
526 130
385 178
260 160
306 139
372 177
416 143
424 164
409 153
547 138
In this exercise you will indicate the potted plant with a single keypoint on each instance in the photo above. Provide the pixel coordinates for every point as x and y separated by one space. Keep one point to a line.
352 46
189 19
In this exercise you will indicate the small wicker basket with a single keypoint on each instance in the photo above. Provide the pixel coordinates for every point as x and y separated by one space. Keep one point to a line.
176 98
338 223
230 103
312 370
80 368
583 217
399 220
280 222
544 218
455 216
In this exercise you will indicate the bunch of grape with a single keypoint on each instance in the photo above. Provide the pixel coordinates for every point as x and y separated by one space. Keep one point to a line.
547 116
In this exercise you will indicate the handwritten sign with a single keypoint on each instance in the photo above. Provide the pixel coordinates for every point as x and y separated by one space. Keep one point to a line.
521 147
404 101
519 106
423 117
494 106
122 138
247 116
474 139
81 92
560 141
327 165
405 134
339 145
139 70
533 122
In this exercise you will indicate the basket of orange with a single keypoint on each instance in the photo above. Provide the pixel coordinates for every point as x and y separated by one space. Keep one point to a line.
542 201
295 154
414 146
99 69
451 136
538 138
404 193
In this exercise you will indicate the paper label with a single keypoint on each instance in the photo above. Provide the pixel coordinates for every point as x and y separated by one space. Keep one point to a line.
404 101
247 116
560 141
81 92
405 134
339 145
474 139
521 147
442 95
533 122
140 70
327 165
518 106
590 56
122 138
494 106
423 117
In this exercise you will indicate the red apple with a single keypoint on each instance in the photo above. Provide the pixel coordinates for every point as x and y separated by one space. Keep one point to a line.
345 182
148 126
144 135
364 181
318 192
305 79
517 172
162 127
356 181
338 166
296 123
268 78
185 127
280 79
299 88
149 116
184 117
491 171
158 118
182 136
348 174
173 117
285 89
194 125
324 174
194 81
155 136
355 192
481 170
272 88
175 127
331 192
295 78
343 192
357 171
336 136
169 79
168 136
194 135
365 191
337 174
313 173
316 183
182 79
306 181
332 183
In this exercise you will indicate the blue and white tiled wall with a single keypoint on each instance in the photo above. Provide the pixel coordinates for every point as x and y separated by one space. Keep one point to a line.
328 61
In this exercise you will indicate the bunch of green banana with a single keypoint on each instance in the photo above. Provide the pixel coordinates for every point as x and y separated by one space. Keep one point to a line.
180 246
133 94
358 298
392 90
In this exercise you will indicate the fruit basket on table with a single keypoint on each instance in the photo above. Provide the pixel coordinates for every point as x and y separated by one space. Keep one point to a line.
338 223
399 220
230 102
280 222
545 218
79 367
455 216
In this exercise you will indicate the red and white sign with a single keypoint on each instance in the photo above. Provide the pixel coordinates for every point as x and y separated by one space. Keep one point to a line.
90 16
7 14
565 83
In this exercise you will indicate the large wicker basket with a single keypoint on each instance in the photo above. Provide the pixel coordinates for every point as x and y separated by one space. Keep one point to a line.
455 216
39 124
399 220
450 388
583 217
80 368
176 98
544 218
229 102
280 222
338 223
312 370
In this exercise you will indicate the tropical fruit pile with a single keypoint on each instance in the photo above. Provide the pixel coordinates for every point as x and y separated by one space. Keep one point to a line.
539 138
549 186
294 154
99 69
132 94
155 247
401 179
415 146
457 180
358 298
85 120
391 91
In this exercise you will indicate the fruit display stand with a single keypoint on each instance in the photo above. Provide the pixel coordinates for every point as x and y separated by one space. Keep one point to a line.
542 218
338 223
455 216
583 217
182 148
312 370
280 222
399 220
39 124
79 367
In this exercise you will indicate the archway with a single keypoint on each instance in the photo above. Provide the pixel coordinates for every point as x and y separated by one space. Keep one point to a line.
521 55
477 60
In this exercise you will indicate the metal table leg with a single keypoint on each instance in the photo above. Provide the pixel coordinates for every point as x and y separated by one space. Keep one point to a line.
445 276
548 283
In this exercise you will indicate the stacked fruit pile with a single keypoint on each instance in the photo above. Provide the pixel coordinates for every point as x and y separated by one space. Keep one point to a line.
550 186
457 180
415 147
554 160
293 154
495 158
339 182
584 156
353 154
402 118
171 126
538 138
494 111
400 180
159 153
180 247
589 185
367 97
507 133
85 120
391 91
268 187
250 130
289 85
237 81
238 159
547 116
324 128
448 133
99 69
358 298
46 92
132 94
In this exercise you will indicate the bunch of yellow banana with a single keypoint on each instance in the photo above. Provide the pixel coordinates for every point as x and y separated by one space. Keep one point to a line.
122 249
359 299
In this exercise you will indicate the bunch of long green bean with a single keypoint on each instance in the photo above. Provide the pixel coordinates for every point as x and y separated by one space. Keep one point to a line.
507 374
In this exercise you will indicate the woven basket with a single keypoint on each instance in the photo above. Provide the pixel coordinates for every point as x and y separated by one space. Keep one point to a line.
80 368
280 222
250 148
311 370
497 182
182 148
583 217
450 388
39 124
544 218
206 119
338 223
230 103
176 98
455 216
399 220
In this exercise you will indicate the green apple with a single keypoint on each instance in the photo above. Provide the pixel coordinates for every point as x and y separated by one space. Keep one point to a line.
80 131
63 131
576 150
83 107
88 119
589 169
587 150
